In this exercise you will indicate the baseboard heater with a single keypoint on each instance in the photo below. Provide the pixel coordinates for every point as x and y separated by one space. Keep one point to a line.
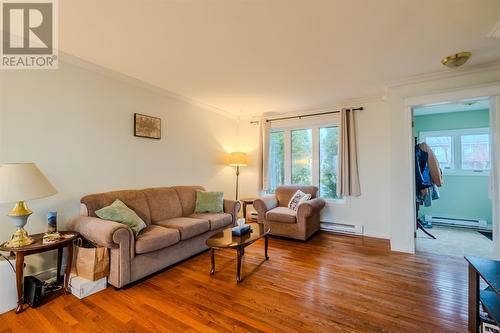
342 228
457 222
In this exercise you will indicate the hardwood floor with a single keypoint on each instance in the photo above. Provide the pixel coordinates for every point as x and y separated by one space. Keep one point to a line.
332 283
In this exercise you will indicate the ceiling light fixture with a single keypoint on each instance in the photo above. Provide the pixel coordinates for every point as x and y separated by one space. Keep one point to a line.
456 60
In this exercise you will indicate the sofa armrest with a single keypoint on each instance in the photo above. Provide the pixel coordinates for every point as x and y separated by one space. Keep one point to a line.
264 204
309 208
232 207
104 233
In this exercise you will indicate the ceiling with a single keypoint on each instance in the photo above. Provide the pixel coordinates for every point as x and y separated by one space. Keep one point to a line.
253 56
465 105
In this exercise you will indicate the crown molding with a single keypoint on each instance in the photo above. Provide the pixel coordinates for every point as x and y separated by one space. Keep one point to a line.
85 64
445 74
344 103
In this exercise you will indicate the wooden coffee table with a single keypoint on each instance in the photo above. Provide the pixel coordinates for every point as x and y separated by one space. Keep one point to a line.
226 240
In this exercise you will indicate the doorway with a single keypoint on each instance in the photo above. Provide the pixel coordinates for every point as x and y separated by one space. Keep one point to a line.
454 207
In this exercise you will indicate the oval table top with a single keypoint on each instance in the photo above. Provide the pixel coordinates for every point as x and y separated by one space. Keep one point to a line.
37 245
226 239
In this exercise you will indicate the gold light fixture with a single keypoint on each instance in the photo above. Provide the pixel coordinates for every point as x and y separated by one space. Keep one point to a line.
456 60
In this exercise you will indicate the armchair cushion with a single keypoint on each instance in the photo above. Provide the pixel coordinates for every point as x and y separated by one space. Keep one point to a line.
217 221
187 226
155 238
282 214
297 199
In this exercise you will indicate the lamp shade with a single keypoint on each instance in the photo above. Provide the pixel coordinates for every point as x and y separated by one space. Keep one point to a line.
23 181
238 159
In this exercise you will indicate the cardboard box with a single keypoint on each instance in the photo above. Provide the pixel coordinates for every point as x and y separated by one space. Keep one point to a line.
82 288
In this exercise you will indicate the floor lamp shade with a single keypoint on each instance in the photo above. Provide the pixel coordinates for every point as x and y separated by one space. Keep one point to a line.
237 159
20 182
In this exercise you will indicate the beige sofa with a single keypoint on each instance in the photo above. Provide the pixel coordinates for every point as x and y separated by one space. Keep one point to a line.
173 231
300 224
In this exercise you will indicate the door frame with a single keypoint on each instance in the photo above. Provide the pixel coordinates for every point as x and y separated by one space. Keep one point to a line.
491 91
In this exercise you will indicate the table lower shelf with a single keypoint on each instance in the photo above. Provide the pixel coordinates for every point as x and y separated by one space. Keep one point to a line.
491 303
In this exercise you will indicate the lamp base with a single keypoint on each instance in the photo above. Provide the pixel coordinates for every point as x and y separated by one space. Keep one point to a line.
20 215
19 238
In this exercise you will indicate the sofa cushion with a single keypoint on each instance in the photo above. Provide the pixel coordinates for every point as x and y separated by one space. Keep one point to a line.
134 199
119 212
163 203
155 238
188 227
282 214
209 202
217 221
187 197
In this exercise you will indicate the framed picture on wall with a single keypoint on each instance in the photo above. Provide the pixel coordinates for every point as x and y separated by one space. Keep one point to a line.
147 126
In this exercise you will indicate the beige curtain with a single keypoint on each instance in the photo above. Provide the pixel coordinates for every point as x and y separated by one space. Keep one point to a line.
264 130
347 174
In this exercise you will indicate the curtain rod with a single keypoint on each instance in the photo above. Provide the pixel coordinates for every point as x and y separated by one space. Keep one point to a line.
306 115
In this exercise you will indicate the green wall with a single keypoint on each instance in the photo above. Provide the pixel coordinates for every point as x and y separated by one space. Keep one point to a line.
461 196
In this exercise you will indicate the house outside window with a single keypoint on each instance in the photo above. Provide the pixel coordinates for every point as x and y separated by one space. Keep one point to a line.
461 152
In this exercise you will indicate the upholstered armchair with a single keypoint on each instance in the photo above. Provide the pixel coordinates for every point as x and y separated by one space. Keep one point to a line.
300 224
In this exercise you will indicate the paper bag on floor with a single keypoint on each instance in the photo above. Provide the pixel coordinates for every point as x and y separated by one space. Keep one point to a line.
92 263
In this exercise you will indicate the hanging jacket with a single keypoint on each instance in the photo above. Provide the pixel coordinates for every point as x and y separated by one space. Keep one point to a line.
422 172
433 164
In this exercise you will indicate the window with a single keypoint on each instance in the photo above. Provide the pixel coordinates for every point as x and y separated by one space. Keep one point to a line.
276 159
328 158
442 146
475 152
302 157
465 151
305 155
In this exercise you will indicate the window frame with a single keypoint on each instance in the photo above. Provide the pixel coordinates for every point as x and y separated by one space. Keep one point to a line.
299 124
456 135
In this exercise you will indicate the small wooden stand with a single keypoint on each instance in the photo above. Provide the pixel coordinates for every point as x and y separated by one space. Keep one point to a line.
38 247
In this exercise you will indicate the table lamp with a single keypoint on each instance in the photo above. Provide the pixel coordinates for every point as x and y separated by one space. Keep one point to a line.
238 159
20 182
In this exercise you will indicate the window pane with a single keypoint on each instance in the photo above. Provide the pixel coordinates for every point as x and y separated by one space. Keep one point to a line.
328 157
442 148
475 152
302 157
276 160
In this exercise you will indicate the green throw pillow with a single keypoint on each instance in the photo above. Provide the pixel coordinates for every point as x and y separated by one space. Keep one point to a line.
209 202
119 212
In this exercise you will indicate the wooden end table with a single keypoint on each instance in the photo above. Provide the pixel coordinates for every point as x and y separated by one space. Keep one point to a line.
226 240
489 271
245 202
39 247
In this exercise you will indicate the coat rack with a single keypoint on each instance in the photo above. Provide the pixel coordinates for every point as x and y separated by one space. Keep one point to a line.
418 220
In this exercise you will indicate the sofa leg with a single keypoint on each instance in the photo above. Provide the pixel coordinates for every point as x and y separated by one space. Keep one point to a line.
117 289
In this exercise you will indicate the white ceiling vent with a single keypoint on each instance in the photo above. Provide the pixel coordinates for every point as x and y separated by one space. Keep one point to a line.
495 32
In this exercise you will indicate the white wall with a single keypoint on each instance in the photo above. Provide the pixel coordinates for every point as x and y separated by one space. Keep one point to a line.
385 152
77 126
402 198
371 210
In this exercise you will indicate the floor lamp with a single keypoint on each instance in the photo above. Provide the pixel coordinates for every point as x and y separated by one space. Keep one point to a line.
238 159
